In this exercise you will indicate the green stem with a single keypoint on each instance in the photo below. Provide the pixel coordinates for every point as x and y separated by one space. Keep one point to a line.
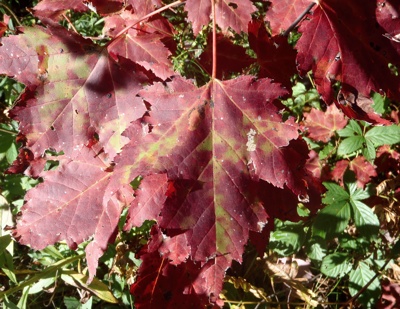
46 273
8 131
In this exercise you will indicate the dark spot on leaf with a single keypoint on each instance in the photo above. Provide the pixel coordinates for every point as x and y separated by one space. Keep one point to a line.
52 128
109 95
61 50
233 5
76 111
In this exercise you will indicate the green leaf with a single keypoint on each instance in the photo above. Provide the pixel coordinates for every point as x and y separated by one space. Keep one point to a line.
381 103
7 266
41 285
350 145
384 135
22 303
4 242
288 238
352 129
366 221
10 305
316 249
302 210
336 265
71 302
347 242
358 278
369 151
334 194
97 287
334 217
332 220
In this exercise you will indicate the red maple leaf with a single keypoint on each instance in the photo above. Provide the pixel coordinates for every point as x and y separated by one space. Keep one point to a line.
233 14
283 13
69 206
335 36
215 167
363 170
62 109
277 59
153 287
321 126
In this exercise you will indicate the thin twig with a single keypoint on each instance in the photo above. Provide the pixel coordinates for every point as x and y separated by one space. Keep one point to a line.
354 298
295 23
70 23
11 13
8 131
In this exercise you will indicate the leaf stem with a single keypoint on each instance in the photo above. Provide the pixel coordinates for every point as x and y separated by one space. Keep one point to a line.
295 23
8 131
11 13
70 23
214 42
162 9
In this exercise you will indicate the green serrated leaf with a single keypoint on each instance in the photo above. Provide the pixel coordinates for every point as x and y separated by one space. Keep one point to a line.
326 151
316 249
356 193
352 129
350 145
332 220
366 221
384 135
336 265
369 151
334 194
347 242
288 238
358 278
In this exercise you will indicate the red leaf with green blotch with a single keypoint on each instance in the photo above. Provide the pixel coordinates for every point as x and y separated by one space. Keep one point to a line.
74 90
214 143
332 41
321 126
146 50
276 58
235 14
283 13
69 206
